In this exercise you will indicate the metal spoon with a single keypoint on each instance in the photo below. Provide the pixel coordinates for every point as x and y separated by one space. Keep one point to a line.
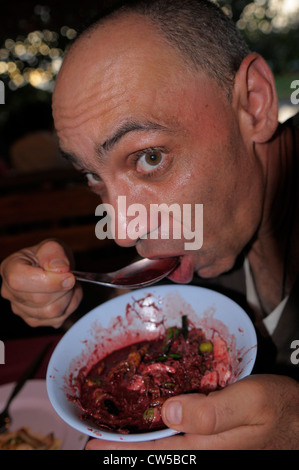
139 274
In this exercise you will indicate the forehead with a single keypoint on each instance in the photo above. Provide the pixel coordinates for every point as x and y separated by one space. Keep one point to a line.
120 53
121 70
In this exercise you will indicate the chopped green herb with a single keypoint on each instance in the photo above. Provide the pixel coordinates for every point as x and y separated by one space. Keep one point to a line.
175 355
169 384
171 333
161 358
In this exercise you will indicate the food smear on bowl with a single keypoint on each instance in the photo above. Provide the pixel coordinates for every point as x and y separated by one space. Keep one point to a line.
124 391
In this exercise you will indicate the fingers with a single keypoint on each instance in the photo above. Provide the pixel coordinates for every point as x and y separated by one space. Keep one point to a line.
208 422
226 419
53 312
40 269
52 256
259 412
39 285
230 441
176 442
234 406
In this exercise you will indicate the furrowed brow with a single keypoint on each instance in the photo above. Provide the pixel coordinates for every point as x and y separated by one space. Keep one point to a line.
131 126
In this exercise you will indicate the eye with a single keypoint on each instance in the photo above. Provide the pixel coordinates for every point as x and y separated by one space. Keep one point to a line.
149 159
92 178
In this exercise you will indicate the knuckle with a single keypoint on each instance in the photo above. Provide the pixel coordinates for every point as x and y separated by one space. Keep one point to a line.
15 310
13 280
50 243
45 317
206 417
260 392
50 248
33 322
57 322
5 292
38 300
55 309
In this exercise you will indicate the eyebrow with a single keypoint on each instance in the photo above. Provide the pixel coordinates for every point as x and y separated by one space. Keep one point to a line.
108 144
126 128
69 156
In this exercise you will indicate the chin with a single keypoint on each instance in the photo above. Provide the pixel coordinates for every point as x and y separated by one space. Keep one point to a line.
215 269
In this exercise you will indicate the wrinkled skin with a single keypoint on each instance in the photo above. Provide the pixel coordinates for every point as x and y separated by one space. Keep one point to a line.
225 155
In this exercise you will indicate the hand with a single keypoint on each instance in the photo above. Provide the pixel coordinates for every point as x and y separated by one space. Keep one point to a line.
259 412
38 284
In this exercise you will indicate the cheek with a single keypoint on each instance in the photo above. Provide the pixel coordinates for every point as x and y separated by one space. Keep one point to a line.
228 182
232 216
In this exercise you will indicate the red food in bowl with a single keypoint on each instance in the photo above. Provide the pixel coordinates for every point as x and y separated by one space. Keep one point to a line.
125 391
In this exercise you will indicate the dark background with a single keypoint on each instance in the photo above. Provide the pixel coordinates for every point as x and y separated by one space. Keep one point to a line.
270 32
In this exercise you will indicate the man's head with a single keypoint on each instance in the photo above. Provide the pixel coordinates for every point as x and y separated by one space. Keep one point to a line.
153 118
204 36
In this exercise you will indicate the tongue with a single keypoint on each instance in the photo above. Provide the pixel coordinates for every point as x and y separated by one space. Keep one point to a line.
184 272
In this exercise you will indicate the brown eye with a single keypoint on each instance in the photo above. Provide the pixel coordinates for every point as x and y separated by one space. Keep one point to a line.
153 158
93 178
149 160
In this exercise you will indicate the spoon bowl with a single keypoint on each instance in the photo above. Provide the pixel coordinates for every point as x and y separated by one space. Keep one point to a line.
139 274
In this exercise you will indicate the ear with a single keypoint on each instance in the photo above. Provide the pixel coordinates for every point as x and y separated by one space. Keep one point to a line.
255 99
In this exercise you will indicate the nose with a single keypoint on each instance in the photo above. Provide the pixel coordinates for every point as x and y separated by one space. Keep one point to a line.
128 222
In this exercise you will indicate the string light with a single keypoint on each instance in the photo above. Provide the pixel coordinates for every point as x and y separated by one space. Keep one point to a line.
35 59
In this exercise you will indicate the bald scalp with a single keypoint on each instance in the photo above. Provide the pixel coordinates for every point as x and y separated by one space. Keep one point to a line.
198 30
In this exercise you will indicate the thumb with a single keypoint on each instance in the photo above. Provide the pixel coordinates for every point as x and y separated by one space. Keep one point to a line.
52 256
214 413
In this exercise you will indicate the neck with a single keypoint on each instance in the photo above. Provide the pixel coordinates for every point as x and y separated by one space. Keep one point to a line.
273 255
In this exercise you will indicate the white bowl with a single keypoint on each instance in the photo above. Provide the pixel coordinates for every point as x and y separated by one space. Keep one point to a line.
134 317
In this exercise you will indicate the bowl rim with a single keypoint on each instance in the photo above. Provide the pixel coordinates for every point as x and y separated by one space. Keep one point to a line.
91 429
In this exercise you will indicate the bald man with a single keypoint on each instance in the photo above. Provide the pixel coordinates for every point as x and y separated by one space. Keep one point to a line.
162 102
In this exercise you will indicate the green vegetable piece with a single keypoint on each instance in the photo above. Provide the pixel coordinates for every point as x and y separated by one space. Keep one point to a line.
175 355
169 334
206 347
148 415
184 326
161 358
169 384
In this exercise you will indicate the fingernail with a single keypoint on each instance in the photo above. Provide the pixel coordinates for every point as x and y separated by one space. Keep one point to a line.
173 412
57 263
68 282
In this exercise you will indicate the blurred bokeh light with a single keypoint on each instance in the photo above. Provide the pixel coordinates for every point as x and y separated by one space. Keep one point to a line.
33 59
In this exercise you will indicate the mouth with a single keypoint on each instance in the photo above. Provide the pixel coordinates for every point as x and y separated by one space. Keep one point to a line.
183 273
